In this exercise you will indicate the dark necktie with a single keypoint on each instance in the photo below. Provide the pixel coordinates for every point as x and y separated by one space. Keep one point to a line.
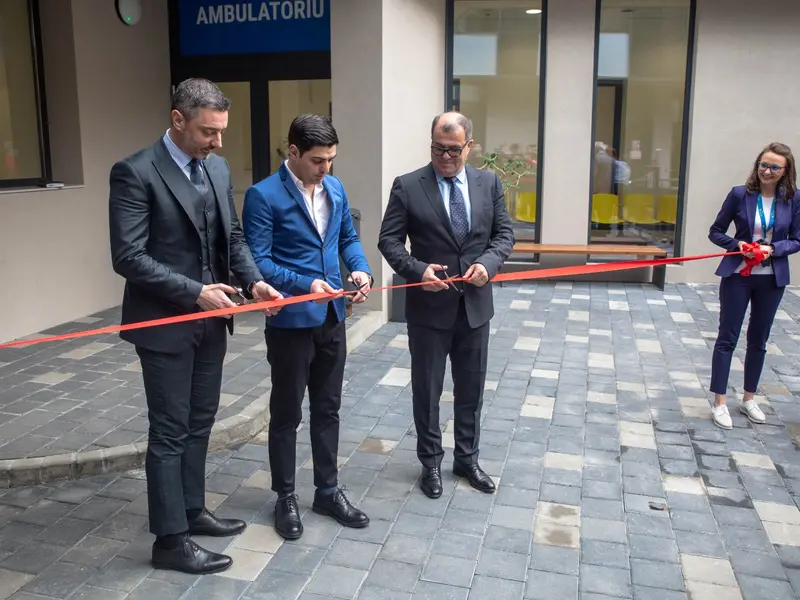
196 175
458 211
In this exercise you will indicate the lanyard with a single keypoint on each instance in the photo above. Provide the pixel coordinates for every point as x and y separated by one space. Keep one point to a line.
764 228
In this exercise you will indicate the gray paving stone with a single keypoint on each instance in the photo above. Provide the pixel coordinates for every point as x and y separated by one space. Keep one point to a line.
495 588
605 580
416 547
754 588
543 585
604 554
449 570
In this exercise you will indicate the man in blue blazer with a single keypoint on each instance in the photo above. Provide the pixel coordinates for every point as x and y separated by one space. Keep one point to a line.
297 222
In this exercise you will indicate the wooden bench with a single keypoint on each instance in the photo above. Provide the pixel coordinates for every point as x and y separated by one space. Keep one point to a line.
638 252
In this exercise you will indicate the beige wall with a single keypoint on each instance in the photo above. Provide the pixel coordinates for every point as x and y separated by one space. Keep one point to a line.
736 39
383 108
61 268
568 121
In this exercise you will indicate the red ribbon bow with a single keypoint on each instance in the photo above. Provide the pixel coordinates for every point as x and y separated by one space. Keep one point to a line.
749 263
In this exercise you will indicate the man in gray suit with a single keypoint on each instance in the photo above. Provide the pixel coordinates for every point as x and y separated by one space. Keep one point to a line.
456 219
175 238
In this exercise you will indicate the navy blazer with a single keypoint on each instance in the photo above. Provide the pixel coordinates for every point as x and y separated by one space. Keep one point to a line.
740 208
289 251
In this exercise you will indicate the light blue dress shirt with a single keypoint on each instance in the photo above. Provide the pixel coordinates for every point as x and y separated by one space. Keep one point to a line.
461 182
179 156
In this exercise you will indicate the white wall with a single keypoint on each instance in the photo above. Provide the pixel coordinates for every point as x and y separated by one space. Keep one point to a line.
54 255
739 42
387 68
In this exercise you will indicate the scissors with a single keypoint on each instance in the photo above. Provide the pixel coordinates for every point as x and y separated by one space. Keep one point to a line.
240 293
453 285
359 287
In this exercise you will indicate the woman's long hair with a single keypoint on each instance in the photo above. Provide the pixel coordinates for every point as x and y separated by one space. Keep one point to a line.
788 181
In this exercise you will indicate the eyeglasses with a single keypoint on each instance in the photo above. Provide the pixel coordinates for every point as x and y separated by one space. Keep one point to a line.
452 151
768 167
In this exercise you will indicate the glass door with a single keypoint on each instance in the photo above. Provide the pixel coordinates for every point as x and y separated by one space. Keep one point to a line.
237 146
287 99
255 142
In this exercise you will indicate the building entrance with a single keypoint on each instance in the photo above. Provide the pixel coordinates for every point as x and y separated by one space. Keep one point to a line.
272 69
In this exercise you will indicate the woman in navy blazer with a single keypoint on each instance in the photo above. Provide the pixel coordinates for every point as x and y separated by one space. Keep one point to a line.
766 210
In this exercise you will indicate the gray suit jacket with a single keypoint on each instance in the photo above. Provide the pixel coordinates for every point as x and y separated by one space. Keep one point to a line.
156 246
416 211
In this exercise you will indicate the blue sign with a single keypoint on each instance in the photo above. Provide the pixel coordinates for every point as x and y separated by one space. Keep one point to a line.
252 27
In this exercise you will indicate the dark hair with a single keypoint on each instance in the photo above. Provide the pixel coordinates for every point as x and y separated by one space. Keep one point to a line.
788 181
310 130
194 94
461 121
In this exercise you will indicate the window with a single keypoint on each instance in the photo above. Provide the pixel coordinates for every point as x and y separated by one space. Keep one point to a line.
21 141
496 63
640 110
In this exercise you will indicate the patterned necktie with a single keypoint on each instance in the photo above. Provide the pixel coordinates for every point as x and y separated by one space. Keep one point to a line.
196 175
458 211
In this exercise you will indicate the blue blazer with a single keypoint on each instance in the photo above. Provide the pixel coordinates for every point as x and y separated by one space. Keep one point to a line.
740 208
289 251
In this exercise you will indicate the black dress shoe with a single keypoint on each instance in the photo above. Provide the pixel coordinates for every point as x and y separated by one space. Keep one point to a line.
476 477
287 518
188 557
337 505
431 482
208 524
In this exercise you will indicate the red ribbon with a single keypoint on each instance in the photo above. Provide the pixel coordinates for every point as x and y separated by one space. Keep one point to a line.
749 263
517 276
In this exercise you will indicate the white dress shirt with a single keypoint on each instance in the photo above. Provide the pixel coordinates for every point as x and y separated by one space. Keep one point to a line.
316 202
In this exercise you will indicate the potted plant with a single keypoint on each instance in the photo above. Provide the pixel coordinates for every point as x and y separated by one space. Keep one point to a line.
510 171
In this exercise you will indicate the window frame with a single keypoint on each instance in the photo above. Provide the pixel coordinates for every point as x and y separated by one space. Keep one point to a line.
450 100
35 30
677 245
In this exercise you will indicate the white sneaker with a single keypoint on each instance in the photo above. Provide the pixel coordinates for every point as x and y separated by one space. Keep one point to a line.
753 412
721 416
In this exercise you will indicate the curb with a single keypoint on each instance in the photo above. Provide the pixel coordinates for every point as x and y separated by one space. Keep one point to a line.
234 430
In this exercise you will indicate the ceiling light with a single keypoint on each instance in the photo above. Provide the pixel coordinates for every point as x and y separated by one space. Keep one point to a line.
534 11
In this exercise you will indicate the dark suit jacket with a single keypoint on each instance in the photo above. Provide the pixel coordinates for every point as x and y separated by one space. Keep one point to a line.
416 210
156 247
740 208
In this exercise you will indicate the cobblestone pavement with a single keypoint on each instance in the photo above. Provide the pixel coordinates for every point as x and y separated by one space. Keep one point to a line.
612 480
86 394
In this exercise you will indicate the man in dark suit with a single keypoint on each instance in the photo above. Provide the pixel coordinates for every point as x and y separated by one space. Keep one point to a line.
456 219
298 224
175 238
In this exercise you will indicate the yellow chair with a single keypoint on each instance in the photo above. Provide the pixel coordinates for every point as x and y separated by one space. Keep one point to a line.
605 209
639 209
668 209
525 209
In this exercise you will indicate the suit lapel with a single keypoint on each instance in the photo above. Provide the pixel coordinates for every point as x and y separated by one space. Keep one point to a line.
176 181
431 188
288 183
750 206
217 178
475 197
335 204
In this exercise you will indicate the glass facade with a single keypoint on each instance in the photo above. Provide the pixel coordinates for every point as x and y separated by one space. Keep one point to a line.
640 93
496 66
20 142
